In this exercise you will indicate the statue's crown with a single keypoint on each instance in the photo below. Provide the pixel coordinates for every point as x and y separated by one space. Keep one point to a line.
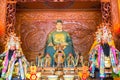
103 32
13 40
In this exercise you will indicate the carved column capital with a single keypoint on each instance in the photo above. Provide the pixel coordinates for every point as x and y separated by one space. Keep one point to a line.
106 13
10 16
105 0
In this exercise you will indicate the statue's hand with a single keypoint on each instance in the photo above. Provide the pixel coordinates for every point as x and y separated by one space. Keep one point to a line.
50 44
97 66
18 56
64 44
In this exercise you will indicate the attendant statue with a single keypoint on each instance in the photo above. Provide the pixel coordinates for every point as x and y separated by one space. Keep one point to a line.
59 37
103 57
79 60
47 60
59 56
13 56
70 60
40 60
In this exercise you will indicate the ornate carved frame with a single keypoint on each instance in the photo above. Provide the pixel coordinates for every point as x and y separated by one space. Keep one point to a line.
11 11
11 14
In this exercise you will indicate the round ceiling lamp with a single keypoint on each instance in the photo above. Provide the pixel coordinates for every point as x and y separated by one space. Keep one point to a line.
59 4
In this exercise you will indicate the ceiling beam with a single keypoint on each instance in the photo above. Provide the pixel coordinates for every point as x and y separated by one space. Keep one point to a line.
54 0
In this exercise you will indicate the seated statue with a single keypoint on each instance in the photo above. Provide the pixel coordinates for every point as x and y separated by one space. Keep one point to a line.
59 37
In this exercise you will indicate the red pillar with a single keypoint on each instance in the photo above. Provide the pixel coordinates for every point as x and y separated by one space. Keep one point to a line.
2 23
116 22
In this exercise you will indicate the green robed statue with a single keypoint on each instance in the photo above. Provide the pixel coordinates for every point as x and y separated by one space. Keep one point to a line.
59 37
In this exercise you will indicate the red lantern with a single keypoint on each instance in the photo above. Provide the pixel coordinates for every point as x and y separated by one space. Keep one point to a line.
117 29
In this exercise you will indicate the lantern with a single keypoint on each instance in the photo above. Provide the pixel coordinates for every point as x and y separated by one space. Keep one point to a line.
117 29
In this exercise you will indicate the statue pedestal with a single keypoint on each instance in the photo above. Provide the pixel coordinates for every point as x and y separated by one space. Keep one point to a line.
54 73
68 77
52 77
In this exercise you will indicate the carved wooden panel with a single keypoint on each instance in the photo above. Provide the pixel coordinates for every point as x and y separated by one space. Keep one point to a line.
106 13
10 17
34 27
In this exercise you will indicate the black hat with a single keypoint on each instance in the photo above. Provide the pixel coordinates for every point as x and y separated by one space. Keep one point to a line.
59 21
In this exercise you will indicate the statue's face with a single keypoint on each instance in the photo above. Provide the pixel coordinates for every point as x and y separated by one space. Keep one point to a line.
104 40
70 54
47 55
12 47
59 26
